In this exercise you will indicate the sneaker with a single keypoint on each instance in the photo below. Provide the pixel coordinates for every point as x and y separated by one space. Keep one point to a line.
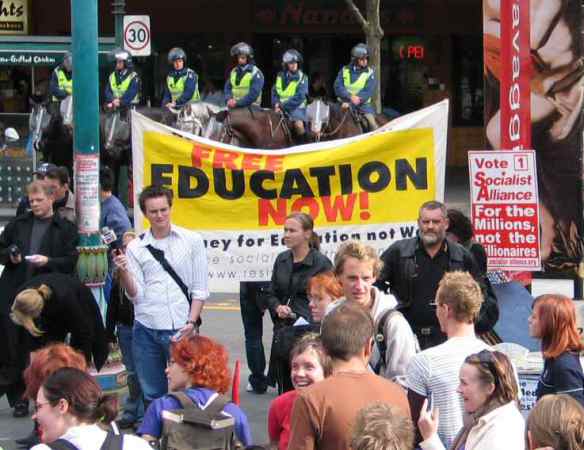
20 409
125 423
250 388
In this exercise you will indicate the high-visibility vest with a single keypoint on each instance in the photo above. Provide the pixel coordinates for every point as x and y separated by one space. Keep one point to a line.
242 89
359 84
177 87
291 89
118 90
64 83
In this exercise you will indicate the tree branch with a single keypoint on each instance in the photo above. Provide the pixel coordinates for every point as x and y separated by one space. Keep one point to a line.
357 13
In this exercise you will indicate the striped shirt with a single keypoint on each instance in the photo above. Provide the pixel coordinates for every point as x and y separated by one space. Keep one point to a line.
159 303
435 372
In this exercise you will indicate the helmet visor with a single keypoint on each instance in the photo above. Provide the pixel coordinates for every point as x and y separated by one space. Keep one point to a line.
360 52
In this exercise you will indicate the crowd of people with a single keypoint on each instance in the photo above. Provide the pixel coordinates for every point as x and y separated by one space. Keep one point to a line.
369 352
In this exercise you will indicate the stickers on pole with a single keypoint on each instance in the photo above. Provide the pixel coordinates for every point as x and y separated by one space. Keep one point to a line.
504 208
137 37
87 192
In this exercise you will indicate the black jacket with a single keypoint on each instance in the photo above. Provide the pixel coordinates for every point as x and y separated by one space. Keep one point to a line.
71 309
119 310
288 286
399 276
59 244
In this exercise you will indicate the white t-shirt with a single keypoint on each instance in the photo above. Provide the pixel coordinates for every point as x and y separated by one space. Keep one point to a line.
436 371
91 437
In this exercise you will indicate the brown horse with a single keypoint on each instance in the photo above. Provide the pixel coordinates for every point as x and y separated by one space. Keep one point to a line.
336 122
250 127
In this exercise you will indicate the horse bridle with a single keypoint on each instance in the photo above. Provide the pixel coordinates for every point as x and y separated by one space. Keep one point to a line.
336 130
282 122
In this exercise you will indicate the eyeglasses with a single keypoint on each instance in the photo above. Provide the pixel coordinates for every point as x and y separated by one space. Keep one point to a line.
38 406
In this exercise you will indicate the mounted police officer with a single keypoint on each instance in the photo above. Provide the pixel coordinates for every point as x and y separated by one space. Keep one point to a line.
61 84
246 81
121 90
355 84
290 92
182 83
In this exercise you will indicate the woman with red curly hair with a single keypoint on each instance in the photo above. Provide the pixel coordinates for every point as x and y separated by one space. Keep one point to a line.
553 321
198 367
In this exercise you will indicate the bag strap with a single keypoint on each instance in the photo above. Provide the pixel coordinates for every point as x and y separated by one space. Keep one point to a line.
380 338
113 441
159 256
216 406
61 444
185 401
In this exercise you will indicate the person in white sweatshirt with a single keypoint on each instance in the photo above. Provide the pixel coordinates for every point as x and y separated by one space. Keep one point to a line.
489 391
357 267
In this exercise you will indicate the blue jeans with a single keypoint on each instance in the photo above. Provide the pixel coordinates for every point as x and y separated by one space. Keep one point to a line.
151 354
134 406
252 317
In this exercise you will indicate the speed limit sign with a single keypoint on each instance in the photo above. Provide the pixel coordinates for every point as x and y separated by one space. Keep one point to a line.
137 35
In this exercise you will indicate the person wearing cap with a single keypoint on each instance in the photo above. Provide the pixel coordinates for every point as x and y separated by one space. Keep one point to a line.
121 90
355 84
290 91
244 86
39 175
182 83
61 84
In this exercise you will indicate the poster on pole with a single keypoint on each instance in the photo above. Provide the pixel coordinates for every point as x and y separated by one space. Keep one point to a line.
534 98
504 208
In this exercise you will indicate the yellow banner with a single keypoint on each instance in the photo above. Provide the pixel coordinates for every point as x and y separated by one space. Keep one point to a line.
381 179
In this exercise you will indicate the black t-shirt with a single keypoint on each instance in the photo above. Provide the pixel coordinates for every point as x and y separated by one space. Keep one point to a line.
429 272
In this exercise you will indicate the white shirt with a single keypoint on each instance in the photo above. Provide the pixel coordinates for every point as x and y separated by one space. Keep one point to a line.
159 303
91 437
436 371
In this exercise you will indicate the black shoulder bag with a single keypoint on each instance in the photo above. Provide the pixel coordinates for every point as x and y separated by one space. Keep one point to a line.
159 256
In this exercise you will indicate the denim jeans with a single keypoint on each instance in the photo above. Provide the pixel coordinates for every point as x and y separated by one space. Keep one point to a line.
151 354
252 317
134 406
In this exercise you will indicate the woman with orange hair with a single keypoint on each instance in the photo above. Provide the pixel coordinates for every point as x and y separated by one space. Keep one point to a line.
198 367
553 321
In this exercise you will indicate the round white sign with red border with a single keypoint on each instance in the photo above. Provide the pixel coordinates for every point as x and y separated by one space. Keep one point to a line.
137 37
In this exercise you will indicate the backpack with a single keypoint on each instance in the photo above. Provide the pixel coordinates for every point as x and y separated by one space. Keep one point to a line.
380 340
112 442
194 428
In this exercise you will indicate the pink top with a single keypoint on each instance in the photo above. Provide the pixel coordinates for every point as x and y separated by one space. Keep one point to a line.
279 418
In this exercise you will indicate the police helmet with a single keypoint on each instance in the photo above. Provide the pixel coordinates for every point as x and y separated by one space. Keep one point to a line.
242 49
120 54
291 56
359 51
68 61
176 53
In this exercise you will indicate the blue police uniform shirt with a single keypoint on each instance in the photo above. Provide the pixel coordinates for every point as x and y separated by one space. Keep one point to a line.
255 89
364 94
190 86
129 95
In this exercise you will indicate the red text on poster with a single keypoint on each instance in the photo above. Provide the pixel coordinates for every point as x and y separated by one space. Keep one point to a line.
504 208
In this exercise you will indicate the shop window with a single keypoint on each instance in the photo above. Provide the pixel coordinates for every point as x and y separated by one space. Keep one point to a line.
467 81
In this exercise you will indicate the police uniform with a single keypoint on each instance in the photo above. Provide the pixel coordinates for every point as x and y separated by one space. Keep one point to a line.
182 87
290 91
124 86
61 84
359 81
245 85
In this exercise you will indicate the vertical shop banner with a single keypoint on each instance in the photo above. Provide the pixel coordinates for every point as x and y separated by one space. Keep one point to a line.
534 93
515 88
504 208
368 187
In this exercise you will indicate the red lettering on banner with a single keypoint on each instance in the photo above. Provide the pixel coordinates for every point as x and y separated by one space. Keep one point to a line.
340 208
225 160
515 94
198 154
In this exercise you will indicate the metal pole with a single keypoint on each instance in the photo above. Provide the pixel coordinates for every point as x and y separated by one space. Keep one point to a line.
92 264
118 10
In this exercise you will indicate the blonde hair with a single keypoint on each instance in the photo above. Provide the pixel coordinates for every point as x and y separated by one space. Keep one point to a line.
557 421
28 305
360 251
381 426
462 294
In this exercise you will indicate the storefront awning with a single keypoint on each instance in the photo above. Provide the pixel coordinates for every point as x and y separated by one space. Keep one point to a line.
42 50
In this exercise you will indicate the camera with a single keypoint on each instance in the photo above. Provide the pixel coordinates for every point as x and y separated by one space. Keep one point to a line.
14 251
109 238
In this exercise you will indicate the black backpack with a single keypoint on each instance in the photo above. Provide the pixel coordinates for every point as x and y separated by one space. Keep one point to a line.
194 428
380 338
112 442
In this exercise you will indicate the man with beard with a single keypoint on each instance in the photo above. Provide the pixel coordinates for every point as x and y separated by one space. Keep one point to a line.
413 267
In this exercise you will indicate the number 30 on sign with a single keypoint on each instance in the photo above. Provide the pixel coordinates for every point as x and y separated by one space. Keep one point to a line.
137 35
